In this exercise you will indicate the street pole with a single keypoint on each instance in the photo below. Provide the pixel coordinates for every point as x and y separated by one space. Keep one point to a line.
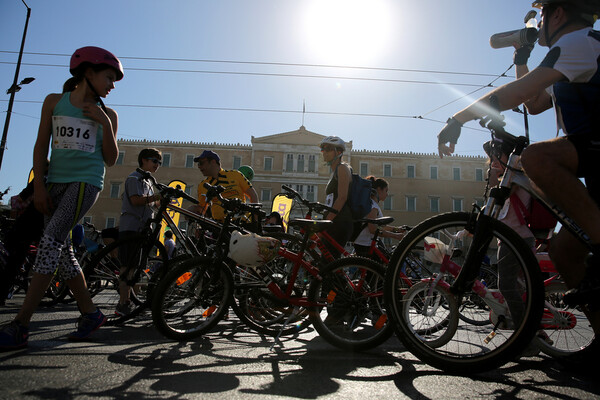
12 94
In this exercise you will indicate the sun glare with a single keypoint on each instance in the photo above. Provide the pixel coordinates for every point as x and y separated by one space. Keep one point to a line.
350 32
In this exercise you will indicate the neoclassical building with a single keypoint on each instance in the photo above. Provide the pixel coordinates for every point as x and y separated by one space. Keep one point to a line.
421 185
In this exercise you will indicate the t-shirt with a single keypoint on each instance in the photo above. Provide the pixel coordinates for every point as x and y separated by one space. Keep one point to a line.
76 146
577 99
170 247
235 185
133 218
365 237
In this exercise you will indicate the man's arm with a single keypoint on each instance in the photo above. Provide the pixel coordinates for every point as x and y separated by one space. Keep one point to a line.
531 86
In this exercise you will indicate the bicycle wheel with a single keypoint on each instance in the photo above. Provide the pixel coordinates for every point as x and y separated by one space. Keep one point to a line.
102 274
354 317
432 313
471 347
258 308
191 298
565 330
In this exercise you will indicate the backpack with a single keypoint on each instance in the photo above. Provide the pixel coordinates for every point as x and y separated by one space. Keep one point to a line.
359 196
536 217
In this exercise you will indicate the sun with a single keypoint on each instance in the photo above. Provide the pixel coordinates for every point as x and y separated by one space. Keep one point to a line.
349 32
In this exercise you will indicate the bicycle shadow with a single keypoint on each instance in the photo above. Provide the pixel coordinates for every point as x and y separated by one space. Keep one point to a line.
146 365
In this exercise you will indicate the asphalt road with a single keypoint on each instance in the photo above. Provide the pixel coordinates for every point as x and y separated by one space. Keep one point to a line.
135 362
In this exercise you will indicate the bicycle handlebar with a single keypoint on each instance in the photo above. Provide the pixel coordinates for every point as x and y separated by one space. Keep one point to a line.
232 205
166 191
312 205
494 122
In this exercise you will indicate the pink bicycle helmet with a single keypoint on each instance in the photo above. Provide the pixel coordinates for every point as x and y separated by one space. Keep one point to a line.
95 56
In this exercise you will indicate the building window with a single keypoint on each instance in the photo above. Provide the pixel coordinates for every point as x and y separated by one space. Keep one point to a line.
434 204
166 160
433 172
120 158
312 163
479 174
114 190
411 203
110 222
364 169
268 163
387 203
189 161
456 173
457 204
410 171
289 163
310 193
237 162
299 189
387 170
300 166
265 195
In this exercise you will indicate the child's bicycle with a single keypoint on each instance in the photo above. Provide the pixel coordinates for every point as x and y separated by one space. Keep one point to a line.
426 317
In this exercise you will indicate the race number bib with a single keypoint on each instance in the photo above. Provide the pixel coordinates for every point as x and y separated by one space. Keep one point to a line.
71 133
329 200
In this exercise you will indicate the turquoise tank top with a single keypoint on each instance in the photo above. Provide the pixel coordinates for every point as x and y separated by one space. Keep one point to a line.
76 146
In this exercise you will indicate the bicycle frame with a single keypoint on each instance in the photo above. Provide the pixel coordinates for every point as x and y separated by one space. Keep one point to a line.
514 176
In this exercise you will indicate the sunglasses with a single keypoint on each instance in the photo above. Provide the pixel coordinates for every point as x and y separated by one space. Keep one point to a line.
155 160
327 148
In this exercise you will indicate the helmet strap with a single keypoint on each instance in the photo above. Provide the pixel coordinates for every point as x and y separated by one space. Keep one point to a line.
338 157
96 95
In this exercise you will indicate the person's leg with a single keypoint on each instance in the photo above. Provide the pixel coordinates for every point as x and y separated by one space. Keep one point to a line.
27 229
553 165
128 253
568 255
72 202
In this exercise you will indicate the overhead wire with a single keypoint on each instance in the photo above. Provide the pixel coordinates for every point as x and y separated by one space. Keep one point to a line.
421 116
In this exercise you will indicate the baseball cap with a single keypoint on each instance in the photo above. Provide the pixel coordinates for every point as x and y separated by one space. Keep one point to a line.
208 154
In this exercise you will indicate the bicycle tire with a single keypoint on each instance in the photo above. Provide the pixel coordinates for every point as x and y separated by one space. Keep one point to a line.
191 298
469 350
567 328
354 317
258 308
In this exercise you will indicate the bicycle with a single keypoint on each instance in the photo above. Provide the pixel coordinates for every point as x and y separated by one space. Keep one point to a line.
360 324
146 265
192 298
516 306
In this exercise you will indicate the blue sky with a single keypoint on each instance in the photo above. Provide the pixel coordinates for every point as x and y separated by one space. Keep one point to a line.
222 71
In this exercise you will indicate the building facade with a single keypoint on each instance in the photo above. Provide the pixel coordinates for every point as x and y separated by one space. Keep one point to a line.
420 185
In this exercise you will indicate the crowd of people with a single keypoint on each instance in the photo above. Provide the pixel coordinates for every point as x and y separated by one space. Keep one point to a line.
82 133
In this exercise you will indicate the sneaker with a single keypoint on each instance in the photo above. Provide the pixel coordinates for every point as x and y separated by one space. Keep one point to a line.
123 310
13 336
87 324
